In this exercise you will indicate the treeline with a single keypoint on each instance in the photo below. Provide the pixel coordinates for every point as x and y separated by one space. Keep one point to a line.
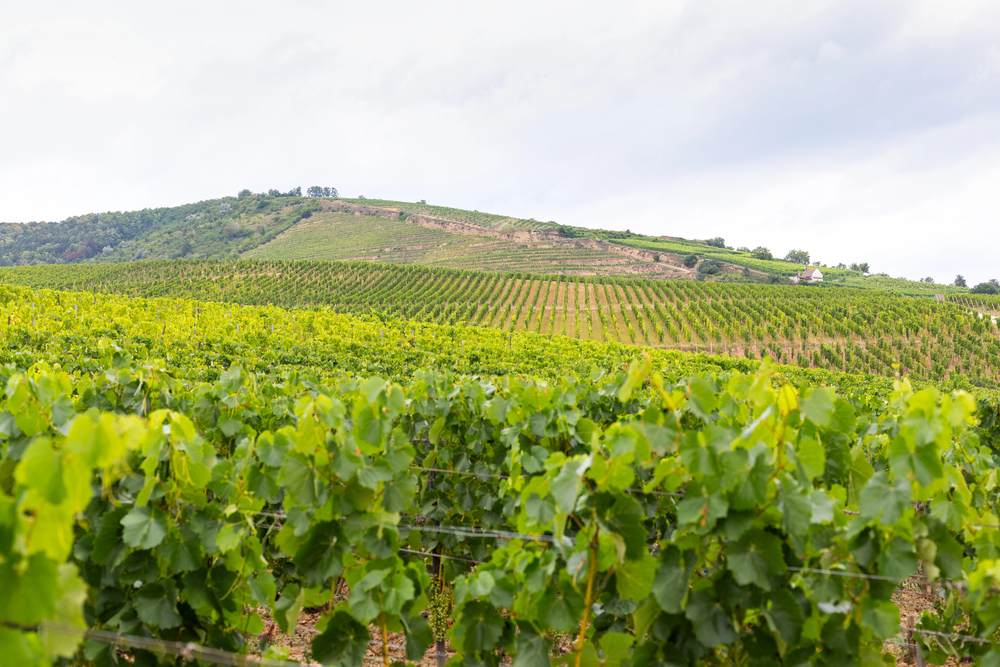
210 228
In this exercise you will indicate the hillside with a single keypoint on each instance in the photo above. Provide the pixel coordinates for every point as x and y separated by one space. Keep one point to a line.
817 327
288 226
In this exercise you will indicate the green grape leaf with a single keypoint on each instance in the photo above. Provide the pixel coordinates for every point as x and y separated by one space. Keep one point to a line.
41 470
784 615
817 406
897 559
670 587
479 626
635 578
704 400
300 481
21 649
625 518
701 511
560 612
108 538
811 456
615 646
566 485
711 625
154 603
881 616
321 556
398 494
796 509
531 650
419 636
344 642
756 558
30 590
880 498
287 608
861 471
144 529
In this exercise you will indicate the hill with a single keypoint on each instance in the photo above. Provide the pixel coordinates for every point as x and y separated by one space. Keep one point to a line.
288 226
824 327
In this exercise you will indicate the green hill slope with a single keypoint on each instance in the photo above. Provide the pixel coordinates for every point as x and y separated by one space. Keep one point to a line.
818 326
282 226
343 236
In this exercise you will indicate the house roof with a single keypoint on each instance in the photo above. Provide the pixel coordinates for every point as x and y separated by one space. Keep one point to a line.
809 273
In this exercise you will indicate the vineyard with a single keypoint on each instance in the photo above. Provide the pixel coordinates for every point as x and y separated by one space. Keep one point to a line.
489 220
191 480
854 331
339 236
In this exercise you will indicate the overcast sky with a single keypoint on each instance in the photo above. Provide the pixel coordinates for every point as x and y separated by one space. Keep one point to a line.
856 130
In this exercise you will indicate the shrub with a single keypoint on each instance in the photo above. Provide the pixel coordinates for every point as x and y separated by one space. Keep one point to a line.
710 268
986 288
690 260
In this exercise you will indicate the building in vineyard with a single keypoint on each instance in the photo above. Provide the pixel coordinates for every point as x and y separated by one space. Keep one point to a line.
810 275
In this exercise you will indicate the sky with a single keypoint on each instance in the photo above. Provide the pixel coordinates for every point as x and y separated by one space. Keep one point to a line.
859 131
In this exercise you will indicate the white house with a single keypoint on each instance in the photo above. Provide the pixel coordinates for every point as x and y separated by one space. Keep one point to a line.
811 275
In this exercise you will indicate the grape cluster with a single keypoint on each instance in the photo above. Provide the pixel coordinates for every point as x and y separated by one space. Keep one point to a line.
440 607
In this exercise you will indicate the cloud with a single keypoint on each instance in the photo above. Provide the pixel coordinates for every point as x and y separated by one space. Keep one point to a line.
855 130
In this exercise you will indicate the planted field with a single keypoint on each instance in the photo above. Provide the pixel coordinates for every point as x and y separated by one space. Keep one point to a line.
488 220
342 236
836 329
182 480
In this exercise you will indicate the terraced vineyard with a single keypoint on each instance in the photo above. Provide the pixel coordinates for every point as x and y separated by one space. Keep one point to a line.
489 220
343 236
816 327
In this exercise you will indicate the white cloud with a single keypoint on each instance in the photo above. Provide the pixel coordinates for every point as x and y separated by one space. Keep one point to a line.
855 130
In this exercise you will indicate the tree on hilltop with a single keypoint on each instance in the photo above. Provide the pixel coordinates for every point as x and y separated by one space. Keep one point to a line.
960 281
760 252
797 257
317 191
717 242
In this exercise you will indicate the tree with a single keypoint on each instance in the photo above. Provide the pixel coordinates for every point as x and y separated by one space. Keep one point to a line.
294 192
186 248
690 260
928 280
743 248
244 194
960 281
860 268
423 201
797 257
760 252
717 242
986 288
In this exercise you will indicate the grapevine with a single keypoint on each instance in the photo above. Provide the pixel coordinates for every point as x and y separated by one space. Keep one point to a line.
174 469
